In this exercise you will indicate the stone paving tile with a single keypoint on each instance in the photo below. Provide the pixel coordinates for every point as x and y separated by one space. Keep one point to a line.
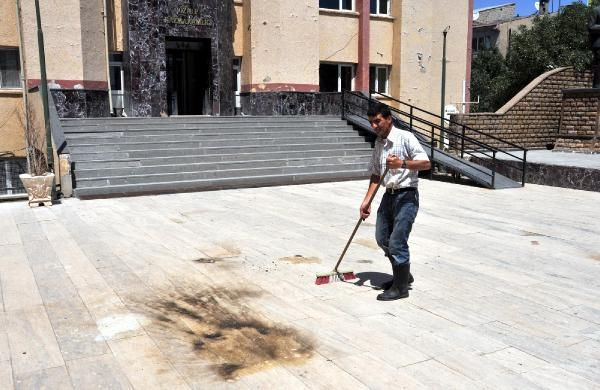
6 380
97 372
19 289
33 345
144 365
505 293
49 378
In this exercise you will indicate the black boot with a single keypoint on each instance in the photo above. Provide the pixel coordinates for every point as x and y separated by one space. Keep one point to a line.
399 288
388 284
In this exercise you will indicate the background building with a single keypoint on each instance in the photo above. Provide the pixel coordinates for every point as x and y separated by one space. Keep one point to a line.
214 57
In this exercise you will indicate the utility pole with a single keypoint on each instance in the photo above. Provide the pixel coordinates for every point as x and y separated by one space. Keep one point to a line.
44 89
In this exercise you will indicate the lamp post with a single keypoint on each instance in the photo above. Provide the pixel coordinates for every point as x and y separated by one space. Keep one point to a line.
443 97
44 89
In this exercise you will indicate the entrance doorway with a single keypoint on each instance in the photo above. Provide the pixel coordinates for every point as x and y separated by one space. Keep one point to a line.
189 73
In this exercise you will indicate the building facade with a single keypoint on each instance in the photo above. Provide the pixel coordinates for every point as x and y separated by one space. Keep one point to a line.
214 57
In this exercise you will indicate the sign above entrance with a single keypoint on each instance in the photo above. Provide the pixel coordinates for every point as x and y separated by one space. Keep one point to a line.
190 15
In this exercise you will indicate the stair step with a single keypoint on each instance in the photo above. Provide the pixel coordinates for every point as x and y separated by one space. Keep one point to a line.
201 119
212 150
218 184
215 174
126 146
150 161
183 135
218 166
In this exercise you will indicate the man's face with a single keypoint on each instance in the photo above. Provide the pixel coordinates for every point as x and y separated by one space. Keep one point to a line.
381 125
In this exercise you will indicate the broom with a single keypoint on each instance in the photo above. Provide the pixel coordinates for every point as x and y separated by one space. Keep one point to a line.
341 276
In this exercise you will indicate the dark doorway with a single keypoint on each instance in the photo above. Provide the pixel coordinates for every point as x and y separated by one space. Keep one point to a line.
189 74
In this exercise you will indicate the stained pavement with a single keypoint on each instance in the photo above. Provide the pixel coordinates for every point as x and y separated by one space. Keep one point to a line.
216 290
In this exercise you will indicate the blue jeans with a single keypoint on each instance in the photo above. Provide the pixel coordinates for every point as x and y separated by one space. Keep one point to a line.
395 217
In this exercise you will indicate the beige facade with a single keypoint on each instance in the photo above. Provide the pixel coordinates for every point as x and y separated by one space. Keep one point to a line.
419 68
12 135
8 28
282 45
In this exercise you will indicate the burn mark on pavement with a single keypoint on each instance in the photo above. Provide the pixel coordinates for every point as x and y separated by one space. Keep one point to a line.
221 329
299 259
228 251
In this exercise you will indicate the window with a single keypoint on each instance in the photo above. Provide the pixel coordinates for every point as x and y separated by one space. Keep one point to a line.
380 7
10 169
336 77
347 5
10 68
237 80
378 78
481 43
117 88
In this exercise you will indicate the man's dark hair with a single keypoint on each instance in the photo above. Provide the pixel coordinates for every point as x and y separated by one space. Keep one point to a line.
379 108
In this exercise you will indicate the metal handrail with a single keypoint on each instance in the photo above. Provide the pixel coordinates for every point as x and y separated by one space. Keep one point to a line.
449 120
415 122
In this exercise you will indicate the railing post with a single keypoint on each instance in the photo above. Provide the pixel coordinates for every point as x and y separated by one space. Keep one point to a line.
462 143
432 151
524 167
411 118
493 169
343 104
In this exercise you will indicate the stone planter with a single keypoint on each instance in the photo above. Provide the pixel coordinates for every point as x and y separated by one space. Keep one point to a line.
39 188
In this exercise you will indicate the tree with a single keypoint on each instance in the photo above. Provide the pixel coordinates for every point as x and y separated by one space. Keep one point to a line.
553 41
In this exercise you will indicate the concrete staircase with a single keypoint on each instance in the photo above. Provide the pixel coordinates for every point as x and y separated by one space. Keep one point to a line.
131 156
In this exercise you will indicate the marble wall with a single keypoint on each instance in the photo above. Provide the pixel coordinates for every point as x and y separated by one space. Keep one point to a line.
149 22
81 103
578 178
291 103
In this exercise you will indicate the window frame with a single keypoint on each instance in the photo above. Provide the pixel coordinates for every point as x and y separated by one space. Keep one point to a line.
117 95
18 58
377 13
339 66
339 8
376 80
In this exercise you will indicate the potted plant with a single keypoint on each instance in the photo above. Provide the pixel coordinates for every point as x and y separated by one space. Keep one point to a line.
39 181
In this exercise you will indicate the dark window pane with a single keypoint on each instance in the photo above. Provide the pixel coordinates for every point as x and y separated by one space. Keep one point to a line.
346 75
347 5
383 7
115 78
10 69
328 78
372 76
373 6
381 79
331 4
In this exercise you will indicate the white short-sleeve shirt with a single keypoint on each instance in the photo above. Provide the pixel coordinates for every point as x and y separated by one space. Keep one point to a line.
405 146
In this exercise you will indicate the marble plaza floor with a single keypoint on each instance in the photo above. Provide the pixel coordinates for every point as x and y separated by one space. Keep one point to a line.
216 290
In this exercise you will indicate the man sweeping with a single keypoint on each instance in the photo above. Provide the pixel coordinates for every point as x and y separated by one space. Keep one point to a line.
402 154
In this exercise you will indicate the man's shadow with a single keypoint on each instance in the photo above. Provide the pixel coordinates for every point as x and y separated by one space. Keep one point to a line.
376 279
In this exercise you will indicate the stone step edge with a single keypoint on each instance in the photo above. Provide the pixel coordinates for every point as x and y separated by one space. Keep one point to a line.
225 183
122 134
206 171
76 145
214 147
84 170
369 150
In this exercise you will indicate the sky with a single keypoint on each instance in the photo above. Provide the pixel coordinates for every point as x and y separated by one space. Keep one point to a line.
524 7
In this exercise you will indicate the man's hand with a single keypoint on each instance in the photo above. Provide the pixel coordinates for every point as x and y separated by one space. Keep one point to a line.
393 162
365 210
